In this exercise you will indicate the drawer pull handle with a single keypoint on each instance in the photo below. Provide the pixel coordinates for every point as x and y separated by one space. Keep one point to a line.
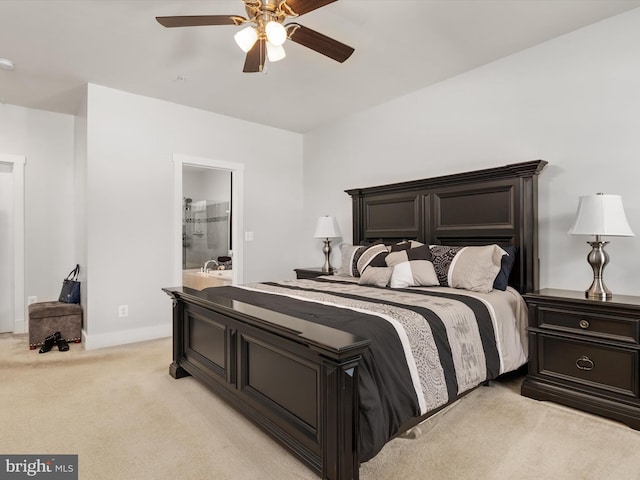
585 363
584 324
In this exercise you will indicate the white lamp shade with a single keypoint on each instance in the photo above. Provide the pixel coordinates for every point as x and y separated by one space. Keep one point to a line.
245 38
326 227
276 33
601 215
275 52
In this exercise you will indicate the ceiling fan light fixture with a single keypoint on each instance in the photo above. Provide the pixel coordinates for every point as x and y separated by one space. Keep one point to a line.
246 38
264 31
275 52
276 33
7 64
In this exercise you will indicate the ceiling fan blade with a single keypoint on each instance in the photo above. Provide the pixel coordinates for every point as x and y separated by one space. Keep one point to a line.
300 7
256 57
319 42
200 20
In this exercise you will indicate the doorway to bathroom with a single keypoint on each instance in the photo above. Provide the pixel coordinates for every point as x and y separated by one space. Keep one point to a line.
207 243
209 251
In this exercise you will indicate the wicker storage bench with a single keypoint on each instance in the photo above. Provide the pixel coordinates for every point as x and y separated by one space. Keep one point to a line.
46 318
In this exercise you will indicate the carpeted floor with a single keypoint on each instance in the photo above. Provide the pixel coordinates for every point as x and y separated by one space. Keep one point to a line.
126 418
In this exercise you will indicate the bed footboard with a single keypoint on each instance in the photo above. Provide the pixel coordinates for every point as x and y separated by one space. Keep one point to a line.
295 379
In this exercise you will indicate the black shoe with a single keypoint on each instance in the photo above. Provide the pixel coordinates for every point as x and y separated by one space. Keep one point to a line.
50 341
62 344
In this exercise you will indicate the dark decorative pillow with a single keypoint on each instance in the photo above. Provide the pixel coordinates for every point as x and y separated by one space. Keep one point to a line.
442 257
350 256
502 279
405 245
401 246
418 253
370 243
372 257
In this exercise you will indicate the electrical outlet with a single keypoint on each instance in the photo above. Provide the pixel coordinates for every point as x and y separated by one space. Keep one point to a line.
248 236
123 311
32 299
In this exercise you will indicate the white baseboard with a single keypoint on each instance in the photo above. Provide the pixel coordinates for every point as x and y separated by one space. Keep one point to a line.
122 337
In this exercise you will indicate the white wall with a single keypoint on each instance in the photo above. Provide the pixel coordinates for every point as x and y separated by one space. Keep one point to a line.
46 140
572 101
130 145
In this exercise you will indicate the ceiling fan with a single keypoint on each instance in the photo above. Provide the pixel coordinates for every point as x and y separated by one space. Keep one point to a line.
263 38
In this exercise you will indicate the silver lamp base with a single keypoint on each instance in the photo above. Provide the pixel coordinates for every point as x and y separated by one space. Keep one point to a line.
598 259
327 252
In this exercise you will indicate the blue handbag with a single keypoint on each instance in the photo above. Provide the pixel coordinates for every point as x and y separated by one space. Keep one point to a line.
70 292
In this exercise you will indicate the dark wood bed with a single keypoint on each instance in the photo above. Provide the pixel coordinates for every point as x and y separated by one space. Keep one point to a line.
241 351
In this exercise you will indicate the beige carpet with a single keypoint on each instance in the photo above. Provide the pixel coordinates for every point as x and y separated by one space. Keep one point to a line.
126 418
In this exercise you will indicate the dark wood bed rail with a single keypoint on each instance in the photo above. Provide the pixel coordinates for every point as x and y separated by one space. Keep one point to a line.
240 351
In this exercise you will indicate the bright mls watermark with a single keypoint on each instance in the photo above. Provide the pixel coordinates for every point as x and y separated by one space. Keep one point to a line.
50 467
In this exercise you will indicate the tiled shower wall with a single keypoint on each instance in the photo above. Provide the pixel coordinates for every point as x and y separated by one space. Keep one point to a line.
205 232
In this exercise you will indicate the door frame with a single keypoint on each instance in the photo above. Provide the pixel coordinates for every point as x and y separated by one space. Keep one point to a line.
237 210
17 163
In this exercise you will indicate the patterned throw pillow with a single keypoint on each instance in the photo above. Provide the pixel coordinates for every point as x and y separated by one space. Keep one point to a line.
405 245
350 256
373 256
417 253
442 257
376 276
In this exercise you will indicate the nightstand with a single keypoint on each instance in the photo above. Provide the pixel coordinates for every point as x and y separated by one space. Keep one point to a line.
585 353
311 272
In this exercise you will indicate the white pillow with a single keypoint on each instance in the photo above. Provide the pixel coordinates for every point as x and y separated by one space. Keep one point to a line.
414 273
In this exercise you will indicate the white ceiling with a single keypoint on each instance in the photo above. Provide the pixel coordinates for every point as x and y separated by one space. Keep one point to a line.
400 46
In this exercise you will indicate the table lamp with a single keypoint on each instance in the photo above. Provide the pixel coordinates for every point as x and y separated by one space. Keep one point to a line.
326 228
600 215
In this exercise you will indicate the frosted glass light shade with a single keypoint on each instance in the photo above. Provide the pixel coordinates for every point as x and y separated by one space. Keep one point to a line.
276 33
275 52
245 38
601 215
327 227
7 64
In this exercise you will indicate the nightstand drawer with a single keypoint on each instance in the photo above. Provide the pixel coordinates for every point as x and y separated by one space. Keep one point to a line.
604 367
613 327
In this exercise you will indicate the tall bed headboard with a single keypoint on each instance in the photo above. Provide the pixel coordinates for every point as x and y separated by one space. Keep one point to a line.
494 205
